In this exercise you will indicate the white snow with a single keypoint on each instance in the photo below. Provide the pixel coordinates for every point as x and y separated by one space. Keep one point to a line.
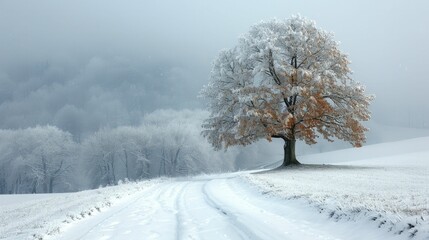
218 208
35 216
375 192
405 153
386 183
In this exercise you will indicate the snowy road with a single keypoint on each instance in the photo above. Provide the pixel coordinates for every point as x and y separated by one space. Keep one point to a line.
222 208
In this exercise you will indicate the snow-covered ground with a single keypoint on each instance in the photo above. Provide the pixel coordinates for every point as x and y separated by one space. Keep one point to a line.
385 183
37 216
375 192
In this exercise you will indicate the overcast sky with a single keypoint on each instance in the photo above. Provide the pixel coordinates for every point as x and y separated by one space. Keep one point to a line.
84 64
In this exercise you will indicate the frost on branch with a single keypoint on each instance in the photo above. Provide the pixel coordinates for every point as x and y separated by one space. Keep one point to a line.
285 79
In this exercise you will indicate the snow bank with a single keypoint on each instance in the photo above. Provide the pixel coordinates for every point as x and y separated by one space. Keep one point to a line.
387 184
37 216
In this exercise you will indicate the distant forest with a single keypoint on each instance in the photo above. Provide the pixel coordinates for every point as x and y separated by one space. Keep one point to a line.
46 159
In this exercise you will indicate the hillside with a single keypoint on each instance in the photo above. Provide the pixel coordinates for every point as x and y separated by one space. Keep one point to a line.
385 183
375 192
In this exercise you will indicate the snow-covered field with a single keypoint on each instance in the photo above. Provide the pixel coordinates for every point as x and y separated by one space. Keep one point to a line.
385 183
375 192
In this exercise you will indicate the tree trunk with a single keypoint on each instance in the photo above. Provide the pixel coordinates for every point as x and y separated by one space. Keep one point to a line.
51 184
112 166
175 161
126 164
34 187
289 153
45 175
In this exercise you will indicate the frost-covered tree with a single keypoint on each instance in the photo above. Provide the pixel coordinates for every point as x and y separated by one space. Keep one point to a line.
134 150
49 155
285 79
178 147
168 143
35 159
99 150
14 177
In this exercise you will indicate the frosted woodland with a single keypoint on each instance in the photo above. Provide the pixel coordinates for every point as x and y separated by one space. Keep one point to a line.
45 159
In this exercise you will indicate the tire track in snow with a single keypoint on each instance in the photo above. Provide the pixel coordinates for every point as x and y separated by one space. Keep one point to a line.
259 221
156 206
212 209
114 213
183 218
166 213
244 231
200 220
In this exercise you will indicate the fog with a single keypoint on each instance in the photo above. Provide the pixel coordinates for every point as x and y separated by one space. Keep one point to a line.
82 65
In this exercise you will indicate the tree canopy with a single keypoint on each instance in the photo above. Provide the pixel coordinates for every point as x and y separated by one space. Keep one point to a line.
285 79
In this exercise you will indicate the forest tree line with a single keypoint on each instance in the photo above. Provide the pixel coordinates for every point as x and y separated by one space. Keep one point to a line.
46 159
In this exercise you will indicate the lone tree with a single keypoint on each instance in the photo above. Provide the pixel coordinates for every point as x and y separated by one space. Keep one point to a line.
285 79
